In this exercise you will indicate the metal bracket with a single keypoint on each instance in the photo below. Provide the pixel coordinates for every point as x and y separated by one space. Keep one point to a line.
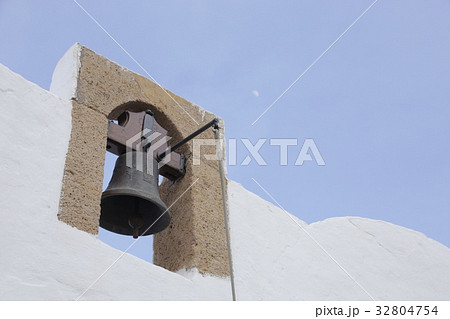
133 131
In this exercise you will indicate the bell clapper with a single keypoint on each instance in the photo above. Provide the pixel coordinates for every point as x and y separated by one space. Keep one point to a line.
136 221
135 232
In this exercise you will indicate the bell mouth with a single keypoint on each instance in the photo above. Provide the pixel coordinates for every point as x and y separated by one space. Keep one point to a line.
118 210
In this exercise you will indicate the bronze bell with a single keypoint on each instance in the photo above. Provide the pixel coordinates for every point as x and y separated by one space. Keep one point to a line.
131 204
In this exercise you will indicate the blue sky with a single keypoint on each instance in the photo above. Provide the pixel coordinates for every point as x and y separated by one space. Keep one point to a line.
376 104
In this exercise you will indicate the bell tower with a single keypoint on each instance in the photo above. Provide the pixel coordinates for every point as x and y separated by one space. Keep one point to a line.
101 91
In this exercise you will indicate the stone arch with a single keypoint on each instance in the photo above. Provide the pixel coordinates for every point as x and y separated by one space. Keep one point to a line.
103 90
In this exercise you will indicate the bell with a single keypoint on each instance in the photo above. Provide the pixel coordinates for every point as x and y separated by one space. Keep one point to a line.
131 204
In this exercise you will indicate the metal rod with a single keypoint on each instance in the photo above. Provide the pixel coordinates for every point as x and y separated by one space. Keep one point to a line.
214 123
226 209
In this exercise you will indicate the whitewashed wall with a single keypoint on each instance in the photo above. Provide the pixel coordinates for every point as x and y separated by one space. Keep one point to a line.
43 258
347 258
275 256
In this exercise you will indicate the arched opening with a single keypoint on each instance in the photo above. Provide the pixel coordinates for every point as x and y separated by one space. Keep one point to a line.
103 91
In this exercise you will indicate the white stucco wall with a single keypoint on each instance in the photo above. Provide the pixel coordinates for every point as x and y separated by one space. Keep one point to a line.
43 258
65 75
276 257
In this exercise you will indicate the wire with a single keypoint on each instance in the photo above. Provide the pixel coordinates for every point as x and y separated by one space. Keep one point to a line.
226 210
